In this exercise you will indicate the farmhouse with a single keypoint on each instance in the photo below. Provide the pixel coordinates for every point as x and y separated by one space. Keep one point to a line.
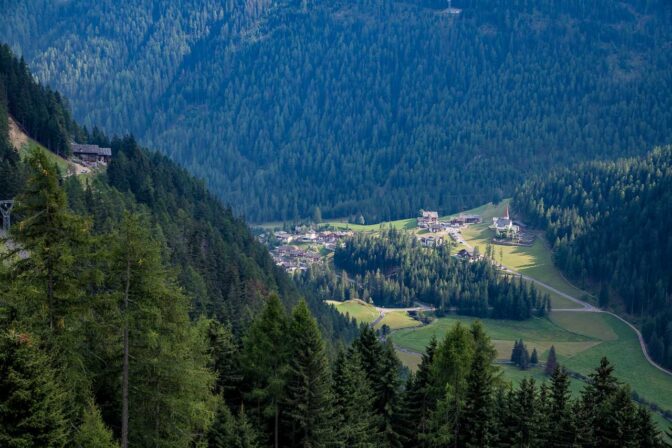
466 219
431 241
463 254
428 219
504 226
92 153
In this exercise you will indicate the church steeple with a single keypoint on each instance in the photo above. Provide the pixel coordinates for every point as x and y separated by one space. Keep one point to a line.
506 212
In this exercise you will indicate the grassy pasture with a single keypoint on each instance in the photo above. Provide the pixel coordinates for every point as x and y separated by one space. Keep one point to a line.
535 329
31 145
366 313
361 311
580 339
397 320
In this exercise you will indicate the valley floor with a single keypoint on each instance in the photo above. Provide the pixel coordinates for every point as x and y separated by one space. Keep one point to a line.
580 332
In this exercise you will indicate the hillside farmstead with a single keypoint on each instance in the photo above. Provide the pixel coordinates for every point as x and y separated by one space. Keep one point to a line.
92 153
504 226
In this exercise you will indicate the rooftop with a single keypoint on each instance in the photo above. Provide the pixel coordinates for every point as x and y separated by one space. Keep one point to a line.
78 148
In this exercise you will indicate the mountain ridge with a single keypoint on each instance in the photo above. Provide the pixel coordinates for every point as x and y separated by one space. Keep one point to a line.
373 108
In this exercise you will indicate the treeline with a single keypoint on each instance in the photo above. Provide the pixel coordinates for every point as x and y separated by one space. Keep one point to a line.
393 269
372 107
609 224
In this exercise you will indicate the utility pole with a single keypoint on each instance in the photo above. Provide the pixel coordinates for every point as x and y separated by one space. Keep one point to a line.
6 210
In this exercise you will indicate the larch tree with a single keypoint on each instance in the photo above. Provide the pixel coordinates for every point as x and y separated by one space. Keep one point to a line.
165 381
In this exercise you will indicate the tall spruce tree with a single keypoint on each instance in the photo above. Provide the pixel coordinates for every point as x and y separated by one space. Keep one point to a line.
596 401
551 362
357 422
50 285
450 369
264 358
561 431
308 388
525 414
418 402
478 413
382 368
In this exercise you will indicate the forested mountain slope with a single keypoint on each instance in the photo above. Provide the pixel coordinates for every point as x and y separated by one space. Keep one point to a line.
223 269
609 223
375 107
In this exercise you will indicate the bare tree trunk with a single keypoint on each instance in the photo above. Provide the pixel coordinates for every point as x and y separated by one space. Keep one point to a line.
124 379
277 412
50 293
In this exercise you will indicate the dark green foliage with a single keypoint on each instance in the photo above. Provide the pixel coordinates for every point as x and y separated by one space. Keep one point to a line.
551 361
225 361
265 360
609 224
168 354
58 241
360 106
32 412
228 431
11 177
356 421
418 401
525 415
520 356
382 368
534 358
225 271
393 269
93 433
561 431
478 410
477 418
40 110
309 417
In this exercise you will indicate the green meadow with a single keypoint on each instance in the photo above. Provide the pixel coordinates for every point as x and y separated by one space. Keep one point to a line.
581 339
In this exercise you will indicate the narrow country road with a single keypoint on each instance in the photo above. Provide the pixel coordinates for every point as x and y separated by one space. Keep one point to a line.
588 308
585 308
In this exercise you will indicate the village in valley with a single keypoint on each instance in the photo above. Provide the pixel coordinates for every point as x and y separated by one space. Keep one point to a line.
299 247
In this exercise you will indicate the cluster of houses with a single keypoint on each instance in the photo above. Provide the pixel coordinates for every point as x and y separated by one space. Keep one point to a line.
297 249
306 235
294 258
429 220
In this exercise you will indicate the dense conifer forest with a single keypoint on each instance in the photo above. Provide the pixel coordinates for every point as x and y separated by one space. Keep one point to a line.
609 223
137 310
377 107
392 269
